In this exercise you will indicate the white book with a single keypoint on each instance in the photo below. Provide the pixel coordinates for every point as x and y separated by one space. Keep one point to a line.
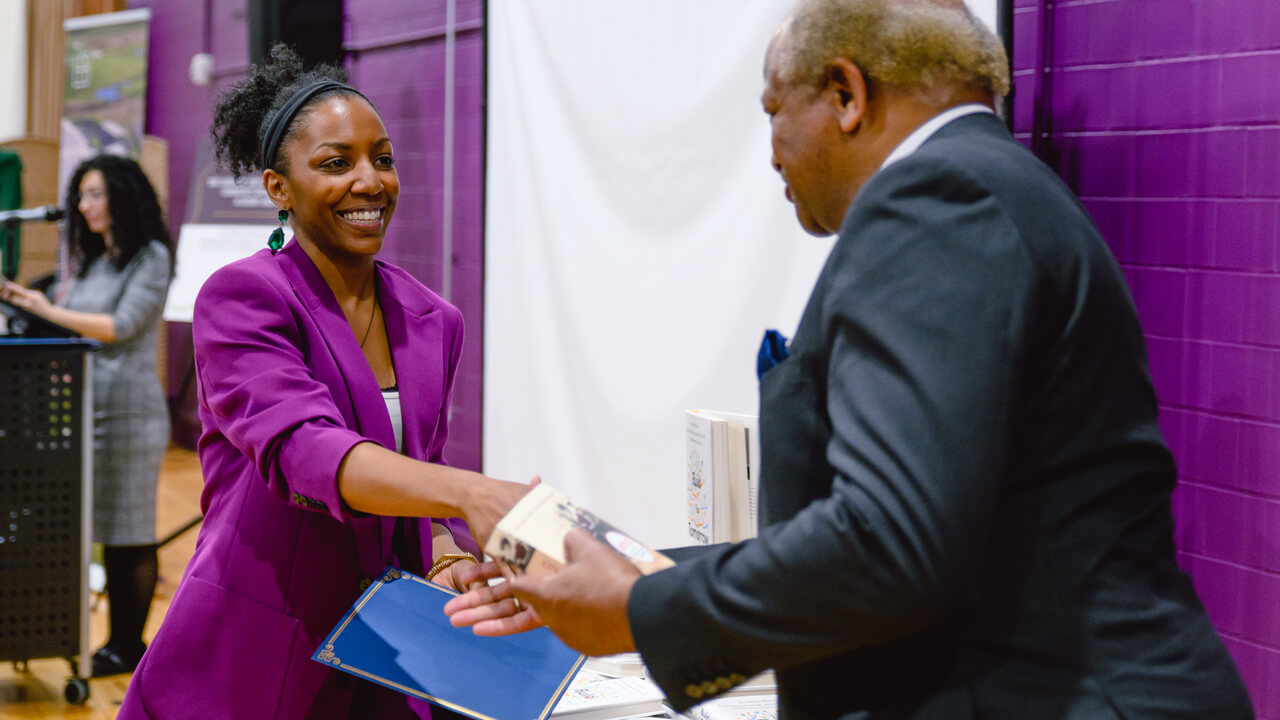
592 696
621 665
530 537
766 683
722 452
706 476
734 707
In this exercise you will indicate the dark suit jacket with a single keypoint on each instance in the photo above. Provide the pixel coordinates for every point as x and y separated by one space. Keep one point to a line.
965 494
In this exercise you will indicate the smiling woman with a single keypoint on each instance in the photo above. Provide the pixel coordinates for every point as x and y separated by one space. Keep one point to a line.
340 194
343 185
317 475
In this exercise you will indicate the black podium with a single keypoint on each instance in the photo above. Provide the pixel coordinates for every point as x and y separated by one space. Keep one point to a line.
46 498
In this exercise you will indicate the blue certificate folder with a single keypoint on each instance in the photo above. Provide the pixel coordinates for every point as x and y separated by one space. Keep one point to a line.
396 634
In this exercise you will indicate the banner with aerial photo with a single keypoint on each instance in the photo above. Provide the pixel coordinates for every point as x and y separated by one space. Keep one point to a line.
104 97
105 90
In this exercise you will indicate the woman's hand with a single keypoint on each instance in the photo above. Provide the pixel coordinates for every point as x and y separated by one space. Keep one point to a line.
488 501
33 301
459 573
445 548
99 326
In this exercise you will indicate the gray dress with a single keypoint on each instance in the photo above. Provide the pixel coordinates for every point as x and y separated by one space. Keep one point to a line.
131 417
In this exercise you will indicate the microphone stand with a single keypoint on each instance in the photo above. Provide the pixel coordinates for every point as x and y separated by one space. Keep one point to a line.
11 219
9 249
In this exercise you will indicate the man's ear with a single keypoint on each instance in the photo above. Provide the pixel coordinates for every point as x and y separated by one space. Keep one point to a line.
277 187
848 88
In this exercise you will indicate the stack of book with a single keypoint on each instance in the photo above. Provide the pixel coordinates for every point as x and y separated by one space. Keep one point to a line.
620 665
594 696
733 706
755 699
617 686
722 462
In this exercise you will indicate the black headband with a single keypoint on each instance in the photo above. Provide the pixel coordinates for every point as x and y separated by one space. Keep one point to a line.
279 124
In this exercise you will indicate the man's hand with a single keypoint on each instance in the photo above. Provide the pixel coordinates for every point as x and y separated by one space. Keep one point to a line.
585 604
490 610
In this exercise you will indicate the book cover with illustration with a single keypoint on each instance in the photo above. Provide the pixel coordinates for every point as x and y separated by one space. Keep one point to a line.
722 459
705 460
593 696
737 707
530 538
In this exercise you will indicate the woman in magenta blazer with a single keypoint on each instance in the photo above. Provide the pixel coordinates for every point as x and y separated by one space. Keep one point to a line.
324 385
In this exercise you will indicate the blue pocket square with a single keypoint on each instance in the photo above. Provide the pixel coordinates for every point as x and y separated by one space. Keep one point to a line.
773 350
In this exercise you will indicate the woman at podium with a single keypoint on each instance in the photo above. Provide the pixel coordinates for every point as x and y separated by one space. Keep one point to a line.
121 249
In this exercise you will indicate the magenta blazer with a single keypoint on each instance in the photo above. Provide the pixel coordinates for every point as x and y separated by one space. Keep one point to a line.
284 393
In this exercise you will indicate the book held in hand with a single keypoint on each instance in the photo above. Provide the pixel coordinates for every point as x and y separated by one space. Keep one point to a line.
397 635
530 537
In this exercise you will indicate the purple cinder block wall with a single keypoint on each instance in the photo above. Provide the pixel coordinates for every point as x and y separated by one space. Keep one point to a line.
176 111
180 112
1164 118
396 55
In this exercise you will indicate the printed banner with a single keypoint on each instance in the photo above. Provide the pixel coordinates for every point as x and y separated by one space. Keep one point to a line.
104 98
105 88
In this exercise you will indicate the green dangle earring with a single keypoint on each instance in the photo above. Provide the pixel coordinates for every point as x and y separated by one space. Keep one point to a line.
276 241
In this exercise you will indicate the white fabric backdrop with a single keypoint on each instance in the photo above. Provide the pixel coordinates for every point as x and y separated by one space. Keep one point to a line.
638 242
13 69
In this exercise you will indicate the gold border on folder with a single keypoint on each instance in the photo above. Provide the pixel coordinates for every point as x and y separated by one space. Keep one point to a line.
392 574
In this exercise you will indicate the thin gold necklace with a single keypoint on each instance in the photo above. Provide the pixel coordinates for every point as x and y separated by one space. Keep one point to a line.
370 327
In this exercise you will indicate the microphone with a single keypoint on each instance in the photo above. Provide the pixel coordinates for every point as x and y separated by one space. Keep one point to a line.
48 213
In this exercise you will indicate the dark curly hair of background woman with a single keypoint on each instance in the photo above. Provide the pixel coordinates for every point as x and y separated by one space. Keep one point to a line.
136 218
241 115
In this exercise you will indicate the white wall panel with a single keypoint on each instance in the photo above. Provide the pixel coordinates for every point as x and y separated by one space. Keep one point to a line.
13 69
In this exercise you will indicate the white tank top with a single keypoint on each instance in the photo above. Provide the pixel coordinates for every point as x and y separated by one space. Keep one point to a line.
391 396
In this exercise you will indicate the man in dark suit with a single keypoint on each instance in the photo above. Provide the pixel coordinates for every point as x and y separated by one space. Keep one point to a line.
965 495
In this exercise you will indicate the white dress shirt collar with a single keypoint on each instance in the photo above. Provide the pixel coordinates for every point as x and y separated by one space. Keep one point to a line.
931 126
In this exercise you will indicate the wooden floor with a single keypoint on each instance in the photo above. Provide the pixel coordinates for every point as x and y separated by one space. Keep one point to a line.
38 693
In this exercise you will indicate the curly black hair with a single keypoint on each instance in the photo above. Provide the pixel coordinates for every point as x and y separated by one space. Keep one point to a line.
136 218
242 113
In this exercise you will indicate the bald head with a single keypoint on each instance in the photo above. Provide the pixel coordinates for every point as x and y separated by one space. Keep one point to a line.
917 45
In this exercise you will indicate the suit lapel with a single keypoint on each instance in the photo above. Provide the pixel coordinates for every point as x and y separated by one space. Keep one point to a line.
414 333
362 405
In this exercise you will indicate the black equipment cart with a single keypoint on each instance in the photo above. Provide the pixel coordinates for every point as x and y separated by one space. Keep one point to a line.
46 500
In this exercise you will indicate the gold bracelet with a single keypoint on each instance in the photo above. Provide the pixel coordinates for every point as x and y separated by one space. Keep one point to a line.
447 559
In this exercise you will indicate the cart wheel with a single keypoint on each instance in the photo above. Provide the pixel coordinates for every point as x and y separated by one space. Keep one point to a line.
20 666
77 691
